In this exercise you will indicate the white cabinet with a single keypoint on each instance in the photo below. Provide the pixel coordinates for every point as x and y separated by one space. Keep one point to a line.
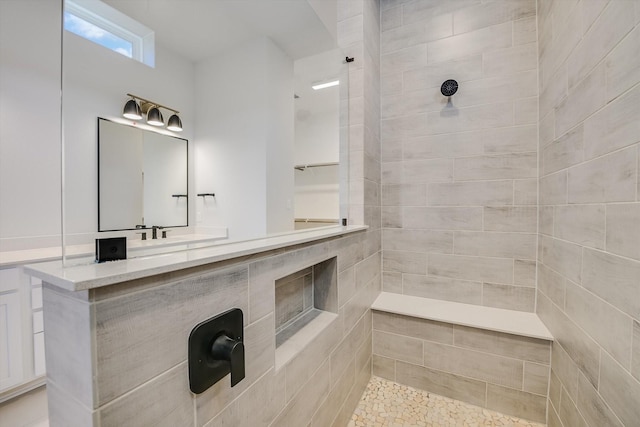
11 363
21 332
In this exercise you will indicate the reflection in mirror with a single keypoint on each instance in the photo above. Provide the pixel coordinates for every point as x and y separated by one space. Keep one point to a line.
142 178
232 69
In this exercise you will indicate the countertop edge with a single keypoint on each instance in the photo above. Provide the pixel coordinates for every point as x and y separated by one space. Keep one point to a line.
93 275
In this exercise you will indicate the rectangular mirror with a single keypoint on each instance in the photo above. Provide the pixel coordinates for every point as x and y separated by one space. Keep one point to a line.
142 178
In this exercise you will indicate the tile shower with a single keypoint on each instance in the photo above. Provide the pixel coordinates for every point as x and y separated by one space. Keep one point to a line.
522 193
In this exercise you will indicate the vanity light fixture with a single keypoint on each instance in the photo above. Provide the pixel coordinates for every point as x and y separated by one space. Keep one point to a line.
325 85
174 124
154 117
134 111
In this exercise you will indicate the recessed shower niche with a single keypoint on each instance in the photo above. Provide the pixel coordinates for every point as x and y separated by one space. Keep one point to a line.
306 303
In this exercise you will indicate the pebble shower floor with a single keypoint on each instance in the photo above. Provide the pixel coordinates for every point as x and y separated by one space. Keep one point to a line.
388 404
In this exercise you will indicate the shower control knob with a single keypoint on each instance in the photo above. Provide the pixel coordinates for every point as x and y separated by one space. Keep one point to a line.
232 351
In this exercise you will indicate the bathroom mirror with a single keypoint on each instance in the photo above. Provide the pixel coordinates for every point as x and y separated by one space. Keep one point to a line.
142 178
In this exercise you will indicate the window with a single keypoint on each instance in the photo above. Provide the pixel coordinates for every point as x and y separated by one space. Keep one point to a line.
108 27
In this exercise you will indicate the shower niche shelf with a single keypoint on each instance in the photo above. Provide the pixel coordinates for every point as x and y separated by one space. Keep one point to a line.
306 304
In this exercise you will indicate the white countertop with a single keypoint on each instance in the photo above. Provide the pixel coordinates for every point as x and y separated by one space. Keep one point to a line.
85 274
490 318
13 258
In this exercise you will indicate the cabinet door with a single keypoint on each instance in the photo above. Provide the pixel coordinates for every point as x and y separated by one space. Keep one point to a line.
10 340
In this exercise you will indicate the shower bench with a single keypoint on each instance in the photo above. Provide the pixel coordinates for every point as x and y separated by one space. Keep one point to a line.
490 357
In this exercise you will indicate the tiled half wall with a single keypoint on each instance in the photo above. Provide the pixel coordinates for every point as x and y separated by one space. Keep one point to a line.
119 354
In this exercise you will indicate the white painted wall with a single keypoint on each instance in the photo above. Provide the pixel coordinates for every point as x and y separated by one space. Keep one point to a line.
243 98
29 123
96 81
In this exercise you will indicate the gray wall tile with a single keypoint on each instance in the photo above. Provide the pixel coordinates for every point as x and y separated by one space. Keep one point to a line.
474 364
443 288
510 218
582 224
397 347
587 183
497 270
164 401
413 327
536 378
445 384
509 297
530 349
519 403
623 229
588 311
614 279
620 390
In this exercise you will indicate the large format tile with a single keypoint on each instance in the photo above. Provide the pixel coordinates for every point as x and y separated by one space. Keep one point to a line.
620 390
509 297
530 349
581 224
450 385
495 244
480 193
510 218
404 262
443 218
443 288
164 401
613 127
437 27
418 240
623 65
398 347
614 334
623 229
69 323
478 41
611 26
474 364
593 408
497 270
614 279
505 166
589 184
518 403
582 349
191 302
487 14
410 326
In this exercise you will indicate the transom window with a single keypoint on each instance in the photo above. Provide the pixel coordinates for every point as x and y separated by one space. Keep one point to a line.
108 27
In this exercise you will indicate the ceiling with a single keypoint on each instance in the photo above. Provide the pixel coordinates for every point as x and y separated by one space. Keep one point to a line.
198 29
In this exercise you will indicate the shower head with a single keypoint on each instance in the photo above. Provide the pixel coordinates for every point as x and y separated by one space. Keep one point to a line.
449 87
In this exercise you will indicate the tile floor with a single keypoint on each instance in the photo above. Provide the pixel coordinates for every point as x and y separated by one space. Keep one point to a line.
388 404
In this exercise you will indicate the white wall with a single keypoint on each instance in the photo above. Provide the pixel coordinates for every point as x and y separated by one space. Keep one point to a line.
29 123
96 81
241 138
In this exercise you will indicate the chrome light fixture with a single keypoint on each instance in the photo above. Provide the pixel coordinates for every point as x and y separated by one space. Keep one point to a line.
134 111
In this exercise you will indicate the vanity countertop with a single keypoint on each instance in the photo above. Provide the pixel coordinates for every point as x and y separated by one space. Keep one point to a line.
83 274
13 258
